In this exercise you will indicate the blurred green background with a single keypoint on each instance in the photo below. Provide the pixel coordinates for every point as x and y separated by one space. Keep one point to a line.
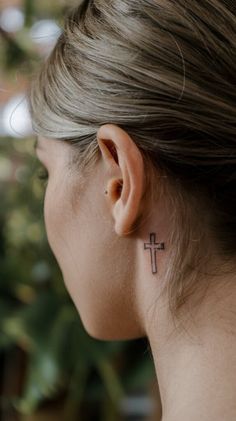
50 367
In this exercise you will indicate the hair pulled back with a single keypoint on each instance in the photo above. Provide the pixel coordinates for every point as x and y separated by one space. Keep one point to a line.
164 71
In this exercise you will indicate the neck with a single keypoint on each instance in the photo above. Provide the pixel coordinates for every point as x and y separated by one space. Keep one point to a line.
196 366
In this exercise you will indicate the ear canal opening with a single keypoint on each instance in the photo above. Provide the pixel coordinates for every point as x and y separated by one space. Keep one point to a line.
117 189
120 186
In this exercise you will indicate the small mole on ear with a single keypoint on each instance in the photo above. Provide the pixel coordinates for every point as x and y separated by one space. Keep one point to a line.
106 192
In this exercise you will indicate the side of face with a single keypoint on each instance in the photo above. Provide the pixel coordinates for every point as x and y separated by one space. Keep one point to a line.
88 237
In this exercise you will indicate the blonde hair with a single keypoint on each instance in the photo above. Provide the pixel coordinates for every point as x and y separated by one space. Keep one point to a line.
165 73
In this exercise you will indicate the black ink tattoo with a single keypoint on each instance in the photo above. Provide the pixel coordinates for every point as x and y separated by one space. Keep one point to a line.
153 247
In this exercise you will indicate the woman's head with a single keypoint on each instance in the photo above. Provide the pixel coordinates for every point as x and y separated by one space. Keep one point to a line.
163 73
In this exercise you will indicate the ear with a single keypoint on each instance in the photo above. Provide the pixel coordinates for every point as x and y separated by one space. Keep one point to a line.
125 175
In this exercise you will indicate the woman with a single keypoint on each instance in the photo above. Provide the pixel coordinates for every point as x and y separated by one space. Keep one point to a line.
135 111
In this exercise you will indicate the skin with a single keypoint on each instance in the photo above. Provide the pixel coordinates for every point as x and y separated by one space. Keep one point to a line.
109 276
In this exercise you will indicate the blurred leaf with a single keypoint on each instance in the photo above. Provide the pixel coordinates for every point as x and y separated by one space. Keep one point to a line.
43 377
14 53
111 381
29 12
140 375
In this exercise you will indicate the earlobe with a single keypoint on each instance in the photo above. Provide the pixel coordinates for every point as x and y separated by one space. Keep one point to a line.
125 172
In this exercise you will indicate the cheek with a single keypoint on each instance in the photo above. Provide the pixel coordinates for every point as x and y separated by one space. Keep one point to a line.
95 264
65 232
57 218
50 217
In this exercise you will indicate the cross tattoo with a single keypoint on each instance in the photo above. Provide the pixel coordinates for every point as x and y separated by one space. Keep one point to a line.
153 247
